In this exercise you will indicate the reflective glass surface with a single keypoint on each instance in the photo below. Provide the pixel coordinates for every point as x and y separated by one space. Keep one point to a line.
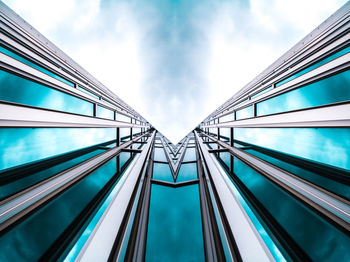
136 131
190 154
31 238
27 62
23 91
213 131
326 91
174 225
123 118
326 145
31 178
187 172
327 183
159 154
225 134
309 230
105 113
226 118
22 145
162 172
322 62
124 134
244 113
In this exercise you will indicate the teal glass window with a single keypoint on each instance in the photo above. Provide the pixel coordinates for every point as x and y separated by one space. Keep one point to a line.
136 131
246 112
162 172
23 91
105 113
27 62
123 118
124 134
190 154
22 145
227 118
292 215
187 171
325 182
31 178
330 146
174 225
333 89
159 154
322 62
213 131
65 209
225 134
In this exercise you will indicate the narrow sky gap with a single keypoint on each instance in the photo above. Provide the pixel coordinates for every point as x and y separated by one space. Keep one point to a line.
174 61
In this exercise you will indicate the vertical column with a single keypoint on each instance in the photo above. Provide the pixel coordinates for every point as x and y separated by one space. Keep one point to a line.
118 144
95 109
231 144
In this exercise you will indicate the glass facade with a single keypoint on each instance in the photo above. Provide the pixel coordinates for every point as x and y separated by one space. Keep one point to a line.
326 91
23 91
75 187
170 237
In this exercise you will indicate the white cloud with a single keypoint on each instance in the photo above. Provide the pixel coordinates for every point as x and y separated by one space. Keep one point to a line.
42 14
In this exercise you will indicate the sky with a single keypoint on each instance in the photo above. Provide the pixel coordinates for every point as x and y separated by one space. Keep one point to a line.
174 61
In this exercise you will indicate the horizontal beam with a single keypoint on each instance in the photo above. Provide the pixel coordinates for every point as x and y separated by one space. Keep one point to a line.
12 115
172 184
325 116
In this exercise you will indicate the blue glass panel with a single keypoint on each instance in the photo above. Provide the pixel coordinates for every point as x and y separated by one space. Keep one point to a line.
322 62
226 118
333 89
124 134
159 154
162 172
245 113
174 225
190 154
187 172
24 243
20 90
315 178
225 134
326 145
22 145
225 157
33 178
27 62
105 113
213 131
309 230
123 118
136 131
88 92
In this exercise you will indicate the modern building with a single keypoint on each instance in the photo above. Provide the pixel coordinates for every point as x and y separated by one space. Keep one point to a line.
265 177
